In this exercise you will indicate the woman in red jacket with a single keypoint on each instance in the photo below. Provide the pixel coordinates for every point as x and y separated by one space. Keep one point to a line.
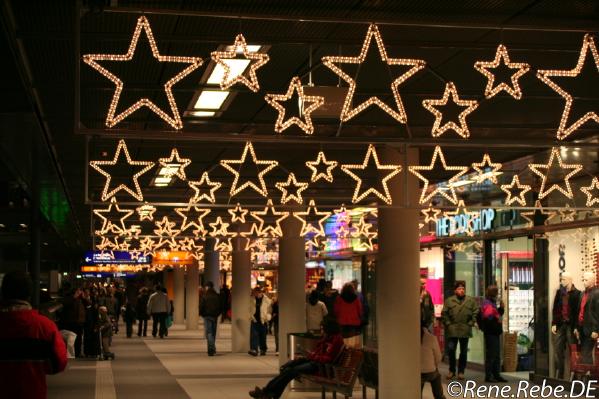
348 310
327 349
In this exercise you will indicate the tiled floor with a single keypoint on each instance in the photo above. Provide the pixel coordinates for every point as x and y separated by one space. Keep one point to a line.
178 367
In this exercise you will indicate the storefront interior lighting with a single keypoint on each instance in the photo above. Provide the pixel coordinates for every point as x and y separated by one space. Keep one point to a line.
211 99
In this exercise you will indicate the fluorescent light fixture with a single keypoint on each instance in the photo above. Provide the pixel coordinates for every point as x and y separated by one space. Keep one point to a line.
488 175
169 169
211 99
461 183
23 225
202 113
160 184
236 68
159 180
2 225
252 48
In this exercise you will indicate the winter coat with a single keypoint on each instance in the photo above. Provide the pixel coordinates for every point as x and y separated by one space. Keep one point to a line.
490 318
265 310
348 313
159 303
574 297
590 323
459 316
315 314
141 308
430 353
211 304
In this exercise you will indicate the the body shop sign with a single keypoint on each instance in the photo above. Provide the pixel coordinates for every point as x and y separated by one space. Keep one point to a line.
461 224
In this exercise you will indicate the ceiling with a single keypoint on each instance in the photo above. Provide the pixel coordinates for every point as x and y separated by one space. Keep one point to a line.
71 99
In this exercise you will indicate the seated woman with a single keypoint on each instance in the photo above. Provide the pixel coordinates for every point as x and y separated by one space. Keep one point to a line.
326 351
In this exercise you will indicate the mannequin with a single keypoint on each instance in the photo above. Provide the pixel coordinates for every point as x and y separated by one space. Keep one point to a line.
588 318
566 307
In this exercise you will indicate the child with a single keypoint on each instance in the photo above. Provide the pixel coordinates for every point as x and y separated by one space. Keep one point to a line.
129 317
105 329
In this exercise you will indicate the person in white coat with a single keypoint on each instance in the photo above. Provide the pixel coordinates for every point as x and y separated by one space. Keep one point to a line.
260 314
430 357
159 307
316 311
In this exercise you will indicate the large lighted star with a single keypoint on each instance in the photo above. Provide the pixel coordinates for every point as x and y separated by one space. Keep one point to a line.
206 184
121 150
369 169
502 57
107 225
237 50
564 130
483 172
271 229
312 220
113 118
348 112
592 199
309 104
291 189
317 169
515 191
235 187
174 165
468 105
452 197
193 216
555 160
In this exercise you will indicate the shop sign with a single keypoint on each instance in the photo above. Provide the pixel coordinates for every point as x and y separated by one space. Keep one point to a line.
92 258
459 224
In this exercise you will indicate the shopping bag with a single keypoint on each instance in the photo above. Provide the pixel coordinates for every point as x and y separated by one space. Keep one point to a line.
169 321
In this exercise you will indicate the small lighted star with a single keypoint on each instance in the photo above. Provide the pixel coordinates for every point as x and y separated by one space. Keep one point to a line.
174 165
233 166
313 220
219 228
291 189
430 214
269 228
468 105
204 189
592 199
318 172
238 214
515 191
555 160
193 216
502 57
483 172
107 225
146 212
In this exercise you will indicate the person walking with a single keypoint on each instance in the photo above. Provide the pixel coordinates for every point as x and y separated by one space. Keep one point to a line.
315 312
141 309
348 310
30 344
158 308
210 309
72 316
458 316
430 357
490 320
129 318
260 314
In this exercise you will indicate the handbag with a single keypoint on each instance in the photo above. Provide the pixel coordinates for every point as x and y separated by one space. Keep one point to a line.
169 321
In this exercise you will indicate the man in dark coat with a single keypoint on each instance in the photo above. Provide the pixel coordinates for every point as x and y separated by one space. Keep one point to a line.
210 309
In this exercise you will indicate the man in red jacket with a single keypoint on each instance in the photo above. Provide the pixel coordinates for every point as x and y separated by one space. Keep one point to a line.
30 344
327 349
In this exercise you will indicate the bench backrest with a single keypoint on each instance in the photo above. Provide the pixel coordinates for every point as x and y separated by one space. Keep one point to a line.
351 361
369 373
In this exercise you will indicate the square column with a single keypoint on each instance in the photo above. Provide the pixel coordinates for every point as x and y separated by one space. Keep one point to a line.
240 297
212 263
179 295
192 297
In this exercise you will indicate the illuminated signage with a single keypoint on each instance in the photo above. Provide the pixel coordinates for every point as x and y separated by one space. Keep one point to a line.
114 258
173 258
459 224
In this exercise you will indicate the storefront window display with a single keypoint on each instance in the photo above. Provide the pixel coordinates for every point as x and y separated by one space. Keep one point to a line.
573 265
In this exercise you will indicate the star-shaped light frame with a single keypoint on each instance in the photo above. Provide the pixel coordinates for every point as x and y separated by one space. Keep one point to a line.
563 131
515 184
501 55
317 174
427 213
106 193
359 196
543 192
271 230
461 170
314 102
235 189
587 190
309 227
257 60
348 112
204 181
238 214
220 228
146 212
175 159
112 118
291 195
107 225
480 169
469 105
195 222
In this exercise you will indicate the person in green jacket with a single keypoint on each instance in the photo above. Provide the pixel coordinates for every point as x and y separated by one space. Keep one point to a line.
458 316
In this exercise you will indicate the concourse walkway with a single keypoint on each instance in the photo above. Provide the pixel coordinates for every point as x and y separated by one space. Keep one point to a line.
178 367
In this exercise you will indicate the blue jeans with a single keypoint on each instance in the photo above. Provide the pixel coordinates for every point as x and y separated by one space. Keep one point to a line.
210 333
289 371
452 345
258 336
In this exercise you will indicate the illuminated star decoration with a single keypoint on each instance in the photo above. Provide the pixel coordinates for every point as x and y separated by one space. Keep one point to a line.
371 162
146 212
291 189
100 166
211 186
529 215
427 213
219 228
483 174
567 214
362 231
108 243
235 188
515 186
166 233
502 56
238 214
591 198
342 215
270 229
111 118
543 192
223 245
146 246
254 231
468 105
188 244
312 220
452 197
174 165
238 48
308 104
564 130
107 225
317 173
192 217
348 112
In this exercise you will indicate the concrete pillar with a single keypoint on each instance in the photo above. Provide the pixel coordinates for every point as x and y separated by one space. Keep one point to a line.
54 282
397 281
211 263
292 280
240 297
192 299
179 295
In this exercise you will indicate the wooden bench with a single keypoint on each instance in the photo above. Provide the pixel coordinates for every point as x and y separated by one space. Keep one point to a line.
341 375
369 373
